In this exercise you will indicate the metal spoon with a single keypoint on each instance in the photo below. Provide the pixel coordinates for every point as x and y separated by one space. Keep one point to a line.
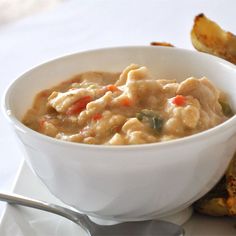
141 228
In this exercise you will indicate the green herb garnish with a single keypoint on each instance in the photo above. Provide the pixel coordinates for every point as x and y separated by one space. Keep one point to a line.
226 109
155 122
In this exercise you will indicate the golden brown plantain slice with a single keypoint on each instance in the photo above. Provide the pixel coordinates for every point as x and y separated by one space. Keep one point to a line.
161 44
221 200
231 178
231 204
213 207
207 36
231 186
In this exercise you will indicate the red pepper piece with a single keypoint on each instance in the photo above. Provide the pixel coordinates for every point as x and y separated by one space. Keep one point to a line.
112 88
179 100
78 106
97 116
126 102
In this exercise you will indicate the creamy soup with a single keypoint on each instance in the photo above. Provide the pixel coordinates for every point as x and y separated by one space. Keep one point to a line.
132 107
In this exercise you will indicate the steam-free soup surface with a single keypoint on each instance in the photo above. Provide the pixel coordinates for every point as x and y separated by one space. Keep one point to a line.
132 107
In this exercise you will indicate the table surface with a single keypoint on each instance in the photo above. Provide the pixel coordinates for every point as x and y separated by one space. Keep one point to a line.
77 25
14 10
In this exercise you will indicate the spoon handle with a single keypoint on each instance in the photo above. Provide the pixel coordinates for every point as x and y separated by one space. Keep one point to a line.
72 215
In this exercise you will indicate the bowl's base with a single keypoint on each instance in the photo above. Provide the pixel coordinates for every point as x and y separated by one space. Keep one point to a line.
178 218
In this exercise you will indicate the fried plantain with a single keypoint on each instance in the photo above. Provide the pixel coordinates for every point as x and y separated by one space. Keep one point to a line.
161 44
209 37
221 200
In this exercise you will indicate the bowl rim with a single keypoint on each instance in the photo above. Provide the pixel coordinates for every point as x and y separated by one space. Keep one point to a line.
184 140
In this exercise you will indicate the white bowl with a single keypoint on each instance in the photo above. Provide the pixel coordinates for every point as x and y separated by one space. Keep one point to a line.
127 182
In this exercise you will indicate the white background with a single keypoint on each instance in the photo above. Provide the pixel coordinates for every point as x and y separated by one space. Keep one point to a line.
77 25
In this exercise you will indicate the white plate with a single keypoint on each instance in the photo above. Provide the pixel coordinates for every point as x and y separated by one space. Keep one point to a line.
18 221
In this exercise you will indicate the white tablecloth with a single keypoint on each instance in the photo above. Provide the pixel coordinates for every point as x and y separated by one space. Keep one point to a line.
78 25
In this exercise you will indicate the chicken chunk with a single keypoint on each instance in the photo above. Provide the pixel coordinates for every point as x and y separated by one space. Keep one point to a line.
208 96
94 107
123 77
201 89
62 101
